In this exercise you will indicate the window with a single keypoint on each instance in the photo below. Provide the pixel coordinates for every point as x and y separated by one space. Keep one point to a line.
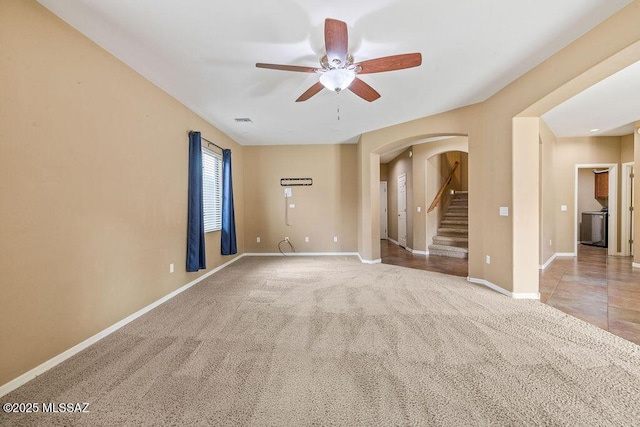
212 190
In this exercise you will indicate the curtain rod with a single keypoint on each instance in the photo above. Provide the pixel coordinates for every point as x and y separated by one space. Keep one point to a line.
209 142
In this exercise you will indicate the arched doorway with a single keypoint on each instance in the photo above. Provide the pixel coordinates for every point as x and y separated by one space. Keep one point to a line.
425 163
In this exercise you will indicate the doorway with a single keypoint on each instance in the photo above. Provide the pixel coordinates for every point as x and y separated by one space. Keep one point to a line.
384 229
612 204
402 210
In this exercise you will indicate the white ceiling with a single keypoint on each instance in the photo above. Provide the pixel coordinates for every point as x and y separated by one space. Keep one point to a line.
611 106
203 52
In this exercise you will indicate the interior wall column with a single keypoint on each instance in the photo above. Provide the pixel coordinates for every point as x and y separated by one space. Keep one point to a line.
525 209
368 204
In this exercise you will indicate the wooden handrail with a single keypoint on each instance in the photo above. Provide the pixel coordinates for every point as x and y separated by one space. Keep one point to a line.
436 200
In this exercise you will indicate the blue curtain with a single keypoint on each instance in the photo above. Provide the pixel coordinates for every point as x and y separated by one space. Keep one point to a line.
195 222
228 244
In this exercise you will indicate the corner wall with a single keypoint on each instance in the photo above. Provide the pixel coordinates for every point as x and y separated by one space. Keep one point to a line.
93 177
323 210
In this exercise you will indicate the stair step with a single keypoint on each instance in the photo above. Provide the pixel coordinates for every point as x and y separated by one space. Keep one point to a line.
448 251
462 242
456 214
455 222
462 192
453 231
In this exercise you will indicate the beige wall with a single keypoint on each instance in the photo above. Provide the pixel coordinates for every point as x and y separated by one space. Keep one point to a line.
93 176
548 183
322 211
626 149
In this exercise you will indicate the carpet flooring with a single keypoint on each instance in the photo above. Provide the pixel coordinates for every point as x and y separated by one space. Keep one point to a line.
303 341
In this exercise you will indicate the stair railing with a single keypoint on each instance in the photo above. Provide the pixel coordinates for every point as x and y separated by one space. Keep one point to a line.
436 200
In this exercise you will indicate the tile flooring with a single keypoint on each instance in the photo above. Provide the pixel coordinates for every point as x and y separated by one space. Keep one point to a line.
599 289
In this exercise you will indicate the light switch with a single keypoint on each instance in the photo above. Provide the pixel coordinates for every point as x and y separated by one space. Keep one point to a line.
563 207
419 209
504 211
292 205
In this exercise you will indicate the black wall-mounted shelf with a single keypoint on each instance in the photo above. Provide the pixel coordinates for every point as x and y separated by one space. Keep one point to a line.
296 182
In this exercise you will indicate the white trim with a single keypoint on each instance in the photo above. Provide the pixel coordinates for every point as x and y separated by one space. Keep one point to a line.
44 367
367 261
393 241
532 295
549 261
302 254
420 252
565 254
612 244
554 256
636 265
625 202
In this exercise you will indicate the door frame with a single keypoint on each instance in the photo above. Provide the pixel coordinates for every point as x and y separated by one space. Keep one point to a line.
384 198
626 202
406 243
612 229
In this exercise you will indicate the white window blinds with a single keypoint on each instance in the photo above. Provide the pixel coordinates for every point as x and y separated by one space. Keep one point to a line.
212 190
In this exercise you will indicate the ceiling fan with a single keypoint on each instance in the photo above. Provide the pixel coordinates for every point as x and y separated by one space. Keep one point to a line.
338 71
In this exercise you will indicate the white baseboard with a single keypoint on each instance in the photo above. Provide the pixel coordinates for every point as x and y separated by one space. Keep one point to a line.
420 252
636 265
549 261
393 241
302 254
516 295
368 261
41 369
554 256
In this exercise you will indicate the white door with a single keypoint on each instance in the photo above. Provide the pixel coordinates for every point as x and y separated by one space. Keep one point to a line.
632 209
402 210
627 209
383 210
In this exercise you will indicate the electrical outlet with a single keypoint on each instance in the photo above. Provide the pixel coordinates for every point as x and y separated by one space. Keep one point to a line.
335 238
306 239
171 268
287 192
550 242
292 205
286 239
488 260
257 240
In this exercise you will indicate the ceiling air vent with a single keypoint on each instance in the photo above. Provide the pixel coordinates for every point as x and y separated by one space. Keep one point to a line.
243 120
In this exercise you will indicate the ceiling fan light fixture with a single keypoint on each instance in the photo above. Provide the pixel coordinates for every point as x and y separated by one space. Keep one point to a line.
337 79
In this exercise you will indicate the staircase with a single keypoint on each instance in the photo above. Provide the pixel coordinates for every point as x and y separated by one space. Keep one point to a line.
452 239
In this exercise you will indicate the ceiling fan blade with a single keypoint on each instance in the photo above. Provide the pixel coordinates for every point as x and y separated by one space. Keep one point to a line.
336 40
287 67
390 63
310 92
363 90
